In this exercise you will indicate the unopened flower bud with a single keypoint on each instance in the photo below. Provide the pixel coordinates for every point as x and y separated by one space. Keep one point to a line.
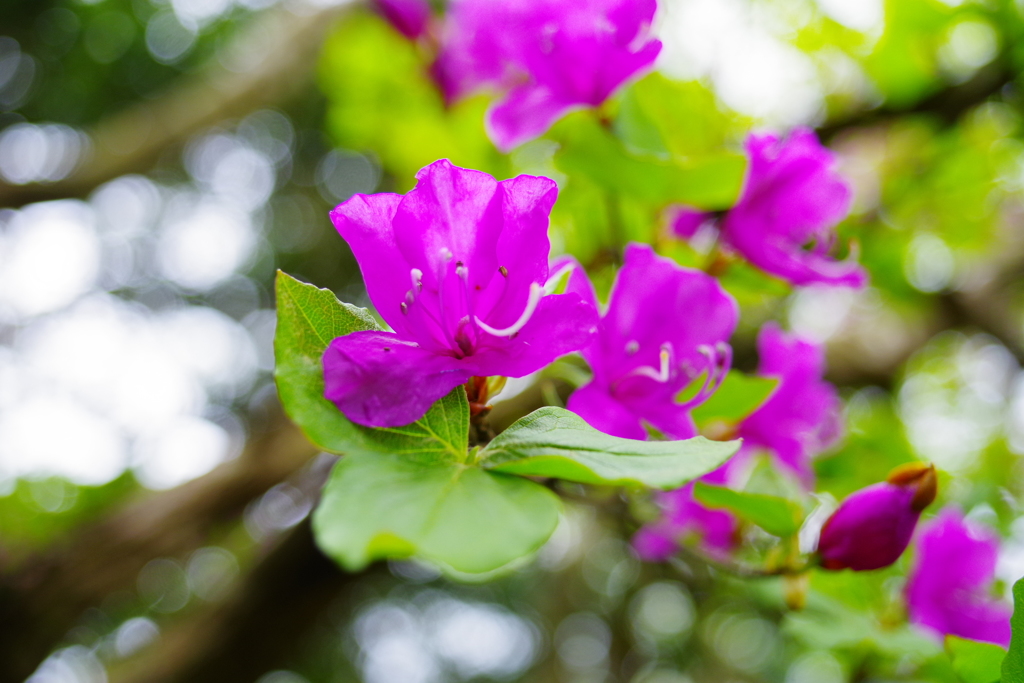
873 526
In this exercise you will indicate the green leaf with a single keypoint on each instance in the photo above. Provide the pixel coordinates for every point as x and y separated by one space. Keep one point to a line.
1013 665
308 318
738 396
683 118
777 516
974 661
587 149
378 506
552 442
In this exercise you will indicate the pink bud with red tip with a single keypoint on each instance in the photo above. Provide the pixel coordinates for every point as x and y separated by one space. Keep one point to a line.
873 526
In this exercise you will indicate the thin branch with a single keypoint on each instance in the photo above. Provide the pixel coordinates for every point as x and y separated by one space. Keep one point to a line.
946 105
270 60
43 597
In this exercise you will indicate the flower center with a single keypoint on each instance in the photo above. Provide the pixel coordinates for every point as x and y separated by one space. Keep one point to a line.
463 339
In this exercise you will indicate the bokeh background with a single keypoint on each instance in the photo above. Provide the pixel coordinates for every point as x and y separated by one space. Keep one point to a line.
160 159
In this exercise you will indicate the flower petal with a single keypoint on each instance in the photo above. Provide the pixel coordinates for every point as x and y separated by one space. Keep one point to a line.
594 404
522 248
655 543
526 112
870 529
655 301
947 591
409 17
670 419
380 380
793 196
562 323
802 415
683 516
453 214
686 221
364 221
547 55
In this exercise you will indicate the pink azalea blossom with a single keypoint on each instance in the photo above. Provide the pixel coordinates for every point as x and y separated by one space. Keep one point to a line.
544 57
873 526
799 419
458 268
681 516
665 327
948 588
784 222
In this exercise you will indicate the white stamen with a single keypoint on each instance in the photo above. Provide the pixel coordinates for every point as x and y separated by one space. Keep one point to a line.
536 294
660 375
446 254
417 279
552 284
720 360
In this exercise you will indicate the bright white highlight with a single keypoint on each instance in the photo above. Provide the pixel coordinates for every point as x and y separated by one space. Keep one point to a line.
748 61
49 256
32 153
187 448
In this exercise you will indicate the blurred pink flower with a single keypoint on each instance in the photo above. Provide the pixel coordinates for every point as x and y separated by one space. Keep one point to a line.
681 516
801 417
784 220
947 591
544 57
409 17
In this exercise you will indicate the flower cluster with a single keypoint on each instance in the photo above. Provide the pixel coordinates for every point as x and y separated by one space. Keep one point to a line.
799 419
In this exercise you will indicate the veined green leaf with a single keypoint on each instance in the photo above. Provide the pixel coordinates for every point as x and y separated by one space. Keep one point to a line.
308 318
777 516
552 442
378 506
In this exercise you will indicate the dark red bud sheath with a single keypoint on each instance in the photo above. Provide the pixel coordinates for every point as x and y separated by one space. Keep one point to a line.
873 526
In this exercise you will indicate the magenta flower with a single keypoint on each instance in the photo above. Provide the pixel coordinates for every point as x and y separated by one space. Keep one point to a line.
799 419
544 57
802 415
458 268
873 526
665 326
682 517
785 218
947 591
409 17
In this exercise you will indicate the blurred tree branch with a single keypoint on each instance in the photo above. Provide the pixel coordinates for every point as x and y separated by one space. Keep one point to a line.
43 597
269 60
261 627
946 105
